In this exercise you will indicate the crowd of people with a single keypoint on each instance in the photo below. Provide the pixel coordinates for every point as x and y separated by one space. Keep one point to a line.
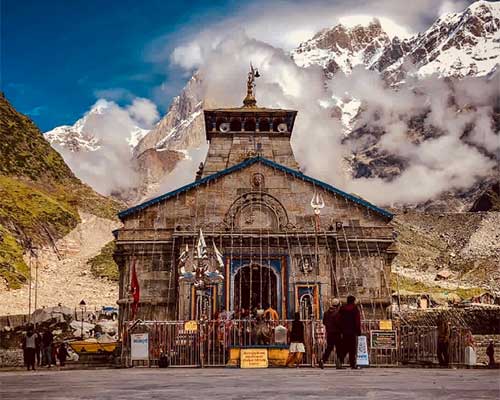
39 349
342 323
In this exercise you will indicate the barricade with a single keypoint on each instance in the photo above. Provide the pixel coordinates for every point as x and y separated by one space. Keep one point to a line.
208 343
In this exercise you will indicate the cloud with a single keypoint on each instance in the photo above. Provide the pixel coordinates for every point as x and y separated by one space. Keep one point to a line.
448 6
445 158
143 112
109 169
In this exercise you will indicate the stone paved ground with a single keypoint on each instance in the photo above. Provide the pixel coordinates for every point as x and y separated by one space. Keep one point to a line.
200 384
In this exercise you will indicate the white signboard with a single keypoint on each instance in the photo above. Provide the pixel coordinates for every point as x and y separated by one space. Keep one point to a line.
139 343
362 358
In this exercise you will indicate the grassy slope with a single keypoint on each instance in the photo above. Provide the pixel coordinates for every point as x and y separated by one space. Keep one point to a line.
414 286
39 195
103 265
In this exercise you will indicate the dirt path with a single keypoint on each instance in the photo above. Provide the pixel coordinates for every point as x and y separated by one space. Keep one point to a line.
68 280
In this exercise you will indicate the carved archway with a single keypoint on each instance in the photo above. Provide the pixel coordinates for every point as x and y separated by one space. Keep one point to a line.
256 210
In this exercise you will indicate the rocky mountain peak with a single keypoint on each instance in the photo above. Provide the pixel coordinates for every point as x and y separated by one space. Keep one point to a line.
182 127
342 48
82 135
457 44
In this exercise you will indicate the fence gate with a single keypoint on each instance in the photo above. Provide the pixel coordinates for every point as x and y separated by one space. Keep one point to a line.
418 345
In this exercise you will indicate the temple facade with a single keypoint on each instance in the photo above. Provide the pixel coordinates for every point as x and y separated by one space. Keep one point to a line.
251 230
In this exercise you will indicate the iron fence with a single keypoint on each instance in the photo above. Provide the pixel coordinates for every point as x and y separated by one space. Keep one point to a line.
209 344
418 345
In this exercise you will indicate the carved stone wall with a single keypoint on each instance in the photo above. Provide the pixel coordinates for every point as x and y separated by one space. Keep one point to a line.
348 255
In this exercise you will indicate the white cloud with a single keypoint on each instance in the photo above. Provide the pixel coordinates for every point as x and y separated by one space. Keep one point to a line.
109 169
144 112
188 56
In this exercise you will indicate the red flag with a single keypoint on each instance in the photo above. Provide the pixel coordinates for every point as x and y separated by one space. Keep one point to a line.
134 290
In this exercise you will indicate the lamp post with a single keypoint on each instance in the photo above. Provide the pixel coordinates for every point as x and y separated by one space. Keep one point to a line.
82 307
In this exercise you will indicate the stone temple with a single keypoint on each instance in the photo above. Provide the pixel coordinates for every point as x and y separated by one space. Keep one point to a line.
275 236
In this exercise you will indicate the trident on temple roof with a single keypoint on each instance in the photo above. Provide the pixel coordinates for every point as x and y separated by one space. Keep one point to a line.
249 100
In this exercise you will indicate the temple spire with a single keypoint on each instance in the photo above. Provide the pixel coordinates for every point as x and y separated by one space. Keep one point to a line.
250 100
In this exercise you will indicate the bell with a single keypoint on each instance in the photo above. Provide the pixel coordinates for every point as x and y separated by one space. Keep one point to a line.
257 73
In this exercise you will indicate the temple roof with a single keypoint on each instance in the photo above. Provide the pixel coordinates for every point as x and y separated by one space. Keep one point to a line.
247 163
263 110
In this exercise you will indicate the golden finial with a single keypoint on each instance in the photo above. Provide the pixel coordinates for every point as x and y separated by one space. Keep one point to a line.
250 100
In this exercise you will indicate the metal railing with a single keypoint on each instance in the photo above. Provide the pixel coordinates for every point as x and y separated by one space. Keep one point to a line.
418 345
209 345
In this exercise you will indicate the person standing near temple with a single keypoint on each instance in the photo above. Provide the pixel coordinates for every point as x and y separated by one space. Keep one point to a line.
443 341
38 349
331 320
350 326
490 352
29 347
47 341
297 348
62 354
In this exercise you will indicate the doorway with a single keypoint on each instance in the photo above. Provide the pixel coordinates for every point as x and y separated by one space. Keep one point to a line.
255 285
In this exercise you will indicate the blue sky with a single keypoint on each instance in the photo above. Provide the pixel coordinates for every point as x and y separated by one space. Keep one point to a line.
59 56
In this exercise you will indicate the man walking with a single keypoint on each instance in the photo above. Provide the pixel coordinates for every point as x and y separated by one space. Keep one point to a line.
350 323
331 320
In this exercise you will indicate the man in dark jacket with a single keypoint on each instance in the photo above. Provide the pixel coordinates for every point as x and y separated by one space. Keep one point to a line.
331 320
47 341
350 323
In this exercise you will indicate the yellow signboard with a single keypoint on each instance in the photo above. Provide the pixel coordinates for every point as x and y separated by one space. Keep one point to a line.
253 358
191 326
385 324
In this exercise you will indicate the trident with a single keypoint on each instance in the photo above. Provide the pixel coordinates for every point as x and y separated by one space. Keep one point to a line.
317 204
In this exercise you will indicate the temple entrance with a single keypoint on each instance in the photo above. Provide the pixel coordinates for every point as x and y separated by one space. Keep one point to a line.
255 285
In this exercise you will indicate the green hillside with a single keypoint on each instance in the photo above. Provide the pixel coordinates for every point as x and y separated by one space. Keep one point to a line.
39 195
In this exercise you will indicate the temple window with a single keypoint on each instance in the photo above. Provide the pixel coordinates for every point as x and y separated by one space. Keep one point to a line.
235 125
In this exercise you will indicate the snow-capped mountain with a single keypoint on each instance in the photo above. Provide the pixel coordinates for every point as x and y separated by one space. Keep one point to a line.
82 135
342 48
182 127
457 44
